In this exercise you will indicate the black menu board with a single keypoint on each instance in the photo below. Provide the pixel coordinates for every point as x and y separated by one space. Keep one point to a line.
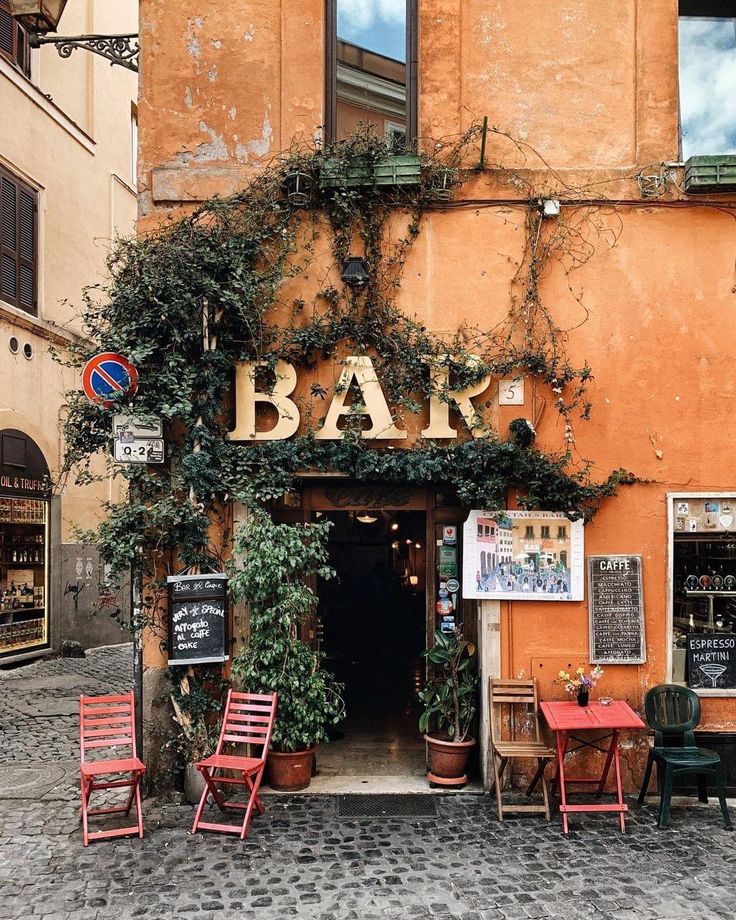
711 661
616 607
197 619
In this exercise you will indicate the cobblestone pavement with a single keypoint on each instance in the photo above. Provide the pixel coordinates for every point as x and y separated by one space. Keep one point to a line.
303 860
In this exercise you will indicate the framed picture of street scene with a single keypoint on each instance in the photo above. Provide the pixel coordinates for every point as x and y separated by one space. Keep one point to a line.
523 555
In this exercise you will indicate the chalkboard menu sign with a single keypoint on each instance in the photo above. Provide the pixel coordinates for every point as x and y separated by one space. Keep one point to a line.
711 661
197 619
616 606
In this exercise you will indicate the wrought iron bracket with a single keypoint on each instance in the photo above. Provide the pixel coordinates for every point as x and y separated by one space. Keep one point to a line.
118 49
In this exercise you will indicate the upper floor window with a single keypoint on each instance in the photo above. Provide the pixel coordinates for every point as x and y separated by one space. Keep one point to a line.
371 69
545 531
707 77
18 247
13 40
529 532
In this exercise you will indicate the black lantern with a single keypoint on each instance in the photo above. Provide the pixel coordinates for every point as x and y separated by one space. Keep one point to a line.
299 188
38 16
355 272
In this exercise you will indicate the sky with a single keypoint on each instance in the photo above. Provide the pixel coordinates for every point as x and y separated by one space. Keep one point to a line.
379 25
708 86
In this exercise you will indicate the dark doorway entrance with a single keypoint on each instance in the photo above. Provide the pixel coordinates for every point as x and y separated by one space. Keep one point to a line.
371 629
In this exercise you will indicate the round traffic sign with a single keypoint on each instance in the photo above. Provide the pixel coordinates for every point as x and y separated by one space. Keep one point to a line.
107 374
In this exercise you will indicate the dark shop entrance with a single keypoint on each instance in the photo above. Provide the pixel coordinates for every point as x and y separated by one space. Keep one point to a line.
396 549
371 628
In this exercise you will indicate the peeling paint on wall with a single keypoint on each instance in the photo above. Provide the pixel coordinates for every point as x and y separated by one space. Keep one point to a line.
258 147
215 150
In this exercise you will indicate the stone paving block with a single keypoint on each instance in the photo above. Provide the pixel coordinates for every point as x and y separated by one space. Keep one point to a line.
301 860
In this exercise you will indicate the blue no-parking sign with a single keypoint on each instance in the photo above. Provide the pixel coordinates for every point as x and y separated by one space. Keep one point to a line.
107 374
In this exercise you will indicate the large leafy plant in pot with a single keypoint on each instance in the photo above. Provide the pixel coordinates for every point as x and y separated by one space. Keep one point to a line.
450 701
278 560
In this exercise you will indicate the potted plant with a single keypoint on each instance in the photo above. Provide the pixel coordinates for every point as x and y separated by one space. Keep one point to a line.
450 702
196 704
580 684
278 559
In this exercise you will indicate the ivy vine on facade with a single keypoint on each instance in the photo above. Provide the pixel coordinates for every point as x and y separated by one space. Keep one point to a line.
211 290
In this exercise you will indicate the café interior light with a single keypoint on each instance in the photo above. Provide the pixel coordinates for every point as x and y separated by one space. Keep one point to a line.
365 517
39 16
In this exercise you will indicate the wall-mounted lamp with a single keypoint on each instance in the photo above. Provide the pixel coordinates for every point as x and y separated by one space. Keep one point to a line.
38 17
354 272
413 580
394 526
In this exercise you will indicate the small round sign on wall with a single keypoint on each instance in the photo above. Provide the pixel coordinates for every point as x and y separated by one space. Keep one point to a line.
107 374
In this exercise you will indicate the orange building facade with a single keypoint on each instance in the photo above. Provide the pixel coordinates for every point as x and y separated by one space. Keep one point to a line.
583 106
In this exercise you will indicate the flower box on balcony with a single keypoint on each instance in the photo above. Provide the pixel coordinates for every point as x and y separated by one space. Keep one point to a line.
710 174
388 170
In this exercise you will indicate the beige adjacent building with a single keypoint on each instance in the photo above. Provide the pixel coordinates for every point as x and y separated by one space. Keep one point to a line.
67 182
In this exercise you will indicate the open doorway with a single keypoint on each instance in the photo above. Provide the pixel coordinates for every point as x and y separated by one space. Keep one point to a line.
371 629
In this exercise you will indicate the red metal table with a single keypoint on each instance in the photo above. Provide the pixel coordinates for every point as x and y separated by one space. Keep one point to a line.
566 719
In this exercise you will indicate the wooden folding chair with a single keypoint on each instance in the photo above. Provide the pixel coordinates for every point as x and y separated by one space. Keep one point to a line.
512 695
249 719
108 722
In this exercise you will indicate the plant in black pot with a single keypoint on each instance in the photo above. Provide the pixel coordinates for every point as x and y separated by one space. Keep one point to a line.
450 700
278 560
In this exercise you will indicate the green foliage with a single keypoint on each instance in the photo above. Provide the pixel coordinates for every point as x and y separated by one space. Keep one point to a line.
450 699
197 695
278 561
189 301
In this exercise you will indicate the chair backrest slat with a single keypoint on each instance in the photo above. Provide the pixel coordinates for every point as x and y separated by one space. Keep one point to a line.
248 719
673 711
513 694
106 721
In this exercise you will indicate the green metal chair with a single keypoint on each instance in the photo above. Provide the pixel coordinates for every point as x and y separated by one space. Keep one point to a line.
673 712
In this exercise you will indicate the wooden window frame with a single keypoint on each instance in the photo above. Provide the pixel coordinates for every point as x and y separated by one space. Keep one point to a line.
21 54
15 255
718 9
412 72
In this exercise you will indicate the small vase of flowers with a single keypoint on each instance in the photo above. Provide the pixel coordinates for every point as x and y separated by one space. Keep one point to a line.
580 684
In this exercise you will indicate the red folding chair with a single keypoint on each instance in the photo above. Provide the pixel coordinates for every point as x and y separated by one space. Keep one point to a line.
107 722
249 719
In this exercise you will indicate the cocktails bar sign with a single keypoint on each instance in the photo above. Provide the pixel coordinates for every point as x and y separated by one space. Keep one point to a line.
358 374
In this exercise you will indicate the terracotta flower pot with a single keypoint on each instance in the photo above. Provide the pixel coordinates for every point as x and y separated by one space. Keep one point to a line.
289 772
447 760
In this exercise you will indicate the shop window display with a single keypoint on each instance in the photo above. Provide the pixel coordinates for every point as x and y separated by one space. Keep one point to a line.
704 589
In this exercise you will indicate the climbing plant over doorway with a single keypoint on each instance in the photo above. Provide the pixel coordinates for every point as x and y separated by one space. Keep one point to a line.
187 302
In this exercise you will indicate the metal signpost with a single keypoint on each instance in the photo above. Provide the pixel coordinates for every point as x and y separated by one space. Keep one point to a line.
135 440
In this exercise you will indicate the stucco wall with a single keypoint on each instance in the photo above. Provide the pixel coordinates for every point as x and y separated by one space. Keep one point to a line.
589 94
67 133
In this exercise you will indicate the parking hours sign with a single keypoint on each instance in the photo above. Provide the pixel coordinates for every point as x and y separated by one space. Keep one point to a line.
140 451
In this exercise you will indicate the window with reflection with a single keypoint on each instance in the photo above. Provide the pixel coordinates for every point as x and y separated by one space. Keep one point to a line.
370 82
707 38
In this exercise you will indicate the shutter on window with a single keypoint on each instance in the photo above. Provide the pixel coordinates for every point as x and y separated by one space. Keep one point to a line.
7 32
27 251
17 244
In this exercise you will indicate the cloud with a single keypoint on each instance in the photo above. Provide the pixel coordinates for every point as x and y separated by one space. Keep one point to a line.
707 86
355 16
